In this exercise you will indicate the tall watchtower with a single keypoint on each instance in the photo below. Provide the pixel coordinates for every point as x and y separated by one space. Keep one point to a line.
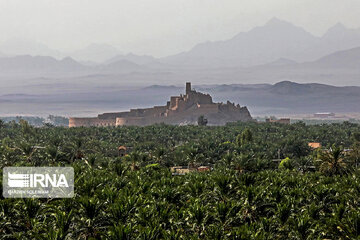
188 87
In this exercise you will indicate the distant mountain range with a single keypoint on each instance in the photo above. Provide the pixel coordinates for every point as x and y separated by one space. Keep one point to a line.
39 65
342 67
140 60
290 97
16 47
101 78
271 53
342 59
49 66
276 39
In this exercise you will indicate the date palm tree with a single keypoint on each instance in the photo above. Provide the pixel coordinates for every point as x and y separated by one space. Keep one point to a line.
333 161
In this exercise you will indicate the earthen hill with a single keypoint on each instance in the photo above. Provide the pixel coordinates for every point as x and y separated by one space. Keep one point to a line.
183 109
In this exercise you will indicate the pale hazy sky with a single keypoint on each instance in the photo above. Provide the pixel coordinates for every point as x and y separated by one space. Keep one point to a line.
160 27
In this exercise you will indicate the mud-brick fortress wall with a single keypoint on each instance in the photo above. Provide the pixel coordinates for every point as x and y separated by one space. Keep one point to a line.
197 97
112 115
88 122
136 121
129 121
147 112
203 109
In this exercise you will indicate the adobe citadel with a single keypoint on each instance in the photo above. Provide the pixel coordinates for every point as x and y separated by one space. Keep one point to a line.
183 109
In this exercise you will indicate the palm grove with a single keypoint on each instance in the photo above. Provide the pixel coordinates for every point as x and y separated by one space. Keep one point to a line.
266 182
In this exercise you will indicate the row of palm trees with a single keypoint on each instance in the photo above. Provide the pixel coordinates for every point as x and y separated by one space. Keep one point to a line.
223 204
136 197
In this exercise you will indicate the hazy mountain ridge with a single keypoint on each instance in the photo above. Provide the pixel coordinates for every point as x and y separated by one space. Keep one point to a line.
120 66
342 65
38 64
261 45
276 39
140 60
341 59
290 97
210 67
19 47
341 38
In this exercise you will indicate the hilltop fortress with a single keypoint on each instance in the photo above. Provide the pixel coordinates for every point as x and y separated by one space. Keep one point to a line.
183 109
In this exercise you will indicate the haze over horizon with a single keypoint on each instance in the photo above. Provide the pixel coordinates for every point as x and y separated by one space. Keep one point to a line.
83 57
139 27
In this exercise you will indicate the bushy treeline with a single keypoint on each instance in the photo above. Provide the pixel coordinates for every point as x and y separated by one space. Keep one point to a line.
51 120
248 195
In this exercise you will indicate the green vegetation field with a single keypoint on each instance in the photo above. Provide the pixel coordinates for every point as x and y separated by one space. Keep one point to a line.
249 194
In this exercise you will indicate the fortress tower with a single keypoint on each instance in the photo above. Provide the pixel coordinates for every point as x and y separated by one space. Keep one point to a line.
188 87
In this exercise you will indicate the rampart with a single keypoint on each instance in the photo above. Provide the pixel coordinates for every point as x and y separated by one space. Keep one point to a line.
89 122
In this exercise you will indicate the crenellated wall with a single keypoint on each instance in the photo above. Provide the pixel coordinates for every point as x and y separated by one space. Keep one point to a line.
113 115
88 122
130 121
196 97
